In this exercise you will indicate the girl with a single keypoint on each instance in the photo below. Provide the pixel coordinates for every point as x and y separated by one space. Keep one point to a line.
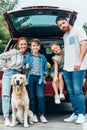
57 72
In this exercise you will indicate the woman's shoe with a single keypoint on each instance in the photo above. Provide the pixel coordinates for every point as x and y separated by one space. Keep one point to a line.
7 122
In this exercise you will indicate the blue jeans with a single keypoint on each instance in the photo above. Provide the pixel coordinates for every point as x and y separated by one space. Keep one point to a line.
6 88
74 81
36 89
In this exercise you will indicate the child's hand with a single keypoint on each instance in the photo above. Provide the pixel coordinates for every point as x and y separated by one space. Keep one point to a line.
44 81
27 66
55 79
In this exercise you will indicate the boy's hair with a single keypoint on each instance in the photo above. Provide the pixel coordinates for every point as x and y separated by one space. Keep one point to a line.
53 43
60 18
35 40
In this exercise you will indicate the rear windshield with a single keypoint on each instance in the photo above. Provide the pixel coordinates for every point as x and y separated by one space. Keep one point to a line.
37 18
34 21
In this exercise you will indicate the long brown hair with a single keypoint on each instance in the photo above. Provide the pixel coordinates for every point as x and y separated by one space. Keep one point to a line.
19 39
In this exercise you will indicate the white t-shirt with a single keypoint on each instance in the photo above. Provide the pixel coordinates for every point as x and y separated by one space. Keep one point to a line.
72 48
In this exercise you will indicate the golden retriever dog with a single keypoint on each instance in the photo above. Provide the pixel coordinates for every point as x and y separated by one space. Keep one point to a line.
20 101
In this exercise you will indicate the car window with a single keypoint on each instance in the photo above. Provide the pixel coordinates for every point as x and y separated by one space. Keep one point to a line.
34 21
37 18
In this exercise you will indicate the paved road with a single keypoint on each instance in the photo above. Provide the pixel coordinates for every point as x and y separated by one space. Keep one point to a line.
55 121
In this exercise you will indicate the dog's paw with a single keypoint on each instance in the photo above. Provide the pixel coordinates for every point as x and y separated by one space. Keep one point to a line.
17 122
31 122
26 125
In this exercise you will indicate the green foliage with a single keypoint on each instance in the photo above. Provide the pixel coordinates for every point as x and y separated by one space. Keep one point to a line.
18 22
5 5
85 27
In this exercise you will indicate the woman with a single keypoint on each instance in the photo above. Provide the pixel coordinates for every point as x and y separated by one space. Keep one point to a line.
12 64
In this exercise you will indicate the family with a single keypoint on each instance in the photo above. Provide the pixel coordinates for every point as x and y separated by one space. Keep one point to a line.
69 63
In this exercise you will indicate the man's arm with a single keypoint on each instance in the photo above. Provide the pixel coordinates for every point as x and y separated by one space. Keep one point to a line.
83 51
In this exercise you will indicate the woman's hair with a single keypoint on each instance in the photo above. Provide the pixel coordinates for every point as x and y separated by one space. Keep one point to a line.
35 40
19 39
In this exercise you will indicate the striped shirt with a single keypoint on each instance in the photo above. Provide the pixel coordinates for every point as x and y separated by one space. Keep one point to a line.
12 59
35 66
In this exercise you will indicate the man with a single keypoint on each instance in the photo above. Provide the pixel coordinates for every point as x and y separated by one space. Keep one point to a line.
75 65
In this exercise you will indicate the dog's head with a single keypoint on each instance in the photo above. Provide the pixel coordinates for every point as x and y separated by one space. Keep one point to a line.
18 80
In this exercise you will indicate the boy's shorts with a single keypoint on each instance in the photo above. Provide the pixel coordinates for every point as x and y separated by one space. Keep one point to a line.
59 71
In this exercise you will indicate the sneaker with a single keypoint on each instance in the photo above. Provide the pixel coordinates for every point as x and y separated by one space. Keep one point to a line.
34 118
62 97
81 119
57 99
7 122
43 119
72 118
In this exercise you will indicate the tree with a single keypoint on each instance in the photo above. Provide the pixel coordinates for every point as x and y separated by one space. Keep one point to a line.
85 27
5 5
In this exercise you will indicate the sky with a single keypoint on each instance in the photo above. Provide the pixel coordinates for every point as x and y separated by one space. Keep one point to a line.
79 6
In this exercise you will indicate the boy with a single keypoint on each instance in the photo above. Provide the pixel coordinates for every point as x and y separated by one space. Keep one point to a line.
37 64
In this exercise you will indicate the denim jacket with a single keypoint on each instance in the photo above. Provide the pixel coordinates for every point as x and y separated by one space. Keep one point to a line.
43 66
